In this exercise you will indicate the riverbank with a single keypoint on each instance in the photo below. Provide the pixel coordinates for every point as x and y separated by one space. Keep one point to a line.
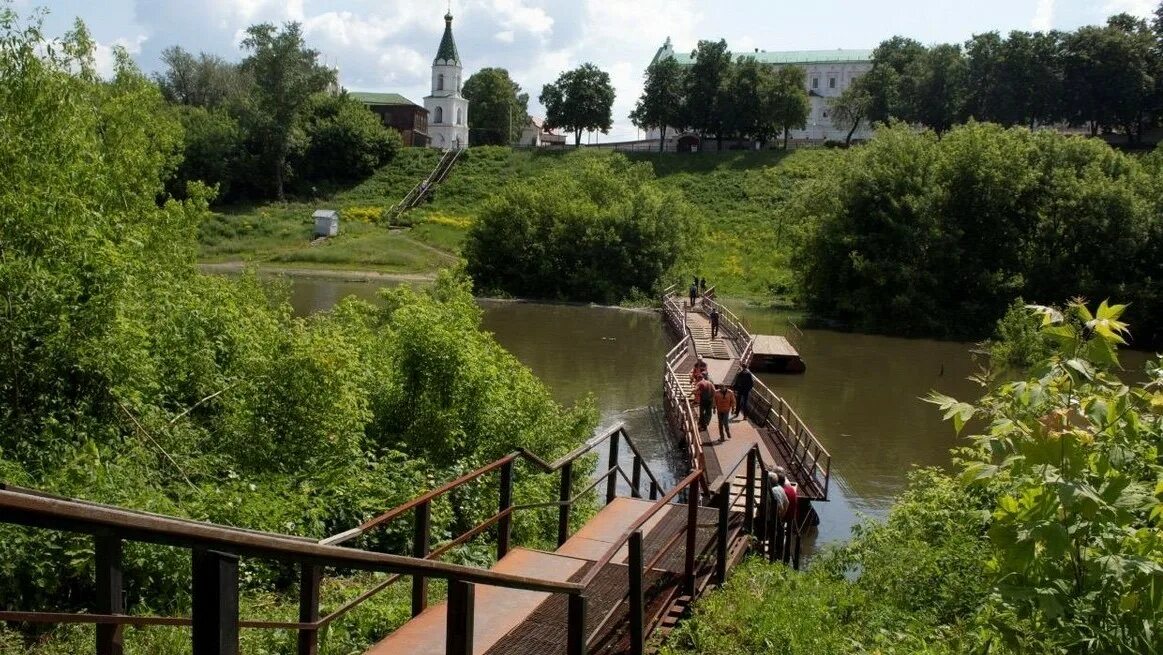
745 249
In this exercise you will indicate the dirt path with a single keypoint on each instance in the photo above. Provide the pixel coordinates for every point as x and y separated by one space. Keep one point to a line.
331 274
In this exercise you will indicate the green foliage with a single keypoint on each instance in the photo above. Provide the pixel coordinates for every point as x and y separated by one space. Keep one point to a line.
213 141
661 103
347 142
704 108
1018 342
602 232
499 109
580 100
916 235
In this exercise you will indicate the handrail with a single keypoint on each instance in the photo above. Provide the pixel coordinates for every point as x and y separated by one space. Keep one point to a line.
65 514
803 441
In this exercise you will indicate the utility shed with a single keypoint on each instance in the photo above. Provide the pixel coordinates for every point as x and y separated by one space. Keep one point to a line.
326 222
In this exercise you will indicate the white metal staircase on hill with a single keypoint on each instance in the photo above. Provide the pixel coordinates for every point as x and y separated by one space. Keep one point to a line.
426 186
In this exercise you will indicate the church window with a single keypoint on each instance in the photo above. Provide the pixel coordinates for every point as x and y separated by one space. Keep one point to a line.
459 117
439 115
440 84
815 82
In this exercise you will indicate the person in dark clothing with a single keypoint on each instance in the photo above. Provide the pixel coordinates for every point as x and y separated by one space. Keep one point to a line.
705 392
714 322
694 292
744 382
703 285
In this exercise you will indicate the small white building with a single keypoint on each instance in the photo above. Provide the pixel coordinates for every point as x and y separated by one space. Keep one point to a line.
447 108
828 73
326 222
535 135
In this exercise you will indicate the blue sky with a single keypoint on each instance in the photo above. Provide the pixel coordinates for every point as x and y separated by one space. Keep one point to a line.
388 45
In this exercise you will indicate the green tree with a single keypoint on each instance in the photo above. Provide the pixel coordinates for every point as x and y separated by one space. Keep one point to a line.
580 100
704 88
203 81
286 74
1110 76
788 100
751 105
890 83
938 87
346 141
850 108
212 144
661 103
499 109
601 230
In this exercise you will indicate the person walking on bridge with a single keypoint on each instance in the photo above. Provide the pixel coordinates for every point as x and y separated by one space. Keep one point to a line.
694 292
714 322
697 373
724 405
704 393
744 383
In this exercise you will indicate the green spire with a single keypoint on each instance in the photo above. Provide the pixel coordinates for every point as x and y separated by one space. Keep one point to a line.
447 52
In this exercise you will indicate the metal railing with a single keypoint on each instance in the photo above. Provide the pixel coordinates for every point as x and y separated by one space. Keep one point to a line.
422 189
216 551
809 463
732 326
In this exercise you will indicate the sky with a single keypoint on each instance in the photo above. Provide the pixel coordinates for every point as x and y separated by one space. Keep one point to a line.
388 45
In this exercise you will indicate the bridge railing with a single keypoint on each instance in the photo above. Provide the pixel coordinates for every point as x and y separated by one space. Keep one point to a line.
809 463
217 549
731 325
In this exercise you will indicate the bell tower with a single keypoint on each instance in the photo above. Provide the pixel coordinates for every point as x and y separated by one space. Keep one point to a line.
447 108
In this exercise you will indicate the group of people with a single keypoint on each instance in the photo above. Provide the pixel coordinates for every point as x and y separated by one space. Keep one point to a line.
727 403
698 288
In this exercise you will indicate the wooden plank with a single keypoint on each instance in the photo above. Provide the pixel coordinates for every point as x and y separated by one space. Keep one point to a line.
768 345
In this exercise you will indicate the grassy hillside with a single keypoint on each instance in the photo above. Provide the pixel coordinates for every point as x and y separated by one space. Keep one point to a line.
738 192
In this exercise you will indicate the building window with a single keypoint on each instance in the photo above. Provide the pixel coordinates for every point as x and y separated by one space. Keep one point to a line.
439 115
815 82
459 117
440 84
831 82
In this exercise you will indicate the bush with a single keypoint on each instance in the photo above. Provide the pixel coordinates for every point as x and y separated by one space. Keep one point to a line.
346 142
915 235
598 231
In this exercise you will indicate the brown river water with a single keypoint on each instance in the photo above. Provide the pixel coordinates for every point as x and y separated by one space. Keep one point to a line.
860 394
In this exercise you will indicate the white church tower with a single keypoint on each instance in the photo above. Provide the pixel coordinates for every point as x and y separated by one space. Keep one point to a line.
447 108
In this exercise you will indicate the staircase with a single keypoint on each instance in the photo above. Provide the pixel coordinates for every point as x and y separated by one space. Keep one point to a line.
424 189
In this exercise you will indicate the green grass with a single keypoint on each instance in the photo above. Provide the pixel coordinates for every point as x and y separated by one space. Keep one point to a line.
739 194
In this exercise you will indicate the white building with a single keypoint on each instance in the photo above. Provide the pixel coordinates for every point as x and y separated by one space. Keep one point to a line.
828 73
447 108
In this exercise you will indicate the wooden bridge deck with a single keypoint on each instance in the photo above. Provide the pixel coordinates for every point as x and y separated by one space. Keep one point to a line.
515 622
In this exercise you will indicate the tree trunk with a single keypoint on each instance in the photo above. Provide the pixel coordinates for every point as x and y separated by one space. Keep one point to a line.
279 159
577 138
786 132
662 139
848 139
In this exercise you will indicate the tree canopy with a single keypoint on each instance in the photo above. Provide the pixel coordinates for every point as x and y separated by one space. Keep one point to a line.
580 100
499 108
662 100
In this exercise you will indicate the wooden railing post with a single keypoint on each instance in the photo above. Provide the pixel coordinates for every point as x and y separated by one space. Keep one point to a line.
505 524
459 621
215 603
765 510
637 600
310 578
107 550
576 625
420 536
749 501
563 493
612 478
692 526
654 490
794 528
721 537
777 538
636 478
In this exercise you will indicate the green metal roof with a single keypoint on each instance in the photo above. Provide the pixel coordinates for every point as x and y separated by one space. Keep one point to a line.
786 56
380 98
447 51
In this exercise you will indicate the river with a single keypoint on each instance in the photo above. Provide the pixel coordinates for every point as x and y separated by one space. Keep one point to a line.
860 394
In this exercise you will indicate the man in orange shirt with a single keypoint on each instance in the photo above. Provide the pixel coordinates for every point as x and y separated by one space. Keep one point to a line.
704 392
724 405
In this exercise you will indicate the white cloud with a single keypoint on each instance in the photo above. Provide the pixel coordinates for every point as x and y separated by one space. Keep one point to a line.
506 36
399 65
518 16
104 59
1043 20
1140 8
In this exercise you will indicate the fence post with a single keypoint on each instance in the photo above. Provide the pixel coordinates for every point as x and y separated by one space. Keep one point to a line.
777 549
692 526
576 625
563 493
654 490
505 524
612 478
721 537
215 603
749 501
636 478
420 534
637 601
459 621
796 535
107 551
309 580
